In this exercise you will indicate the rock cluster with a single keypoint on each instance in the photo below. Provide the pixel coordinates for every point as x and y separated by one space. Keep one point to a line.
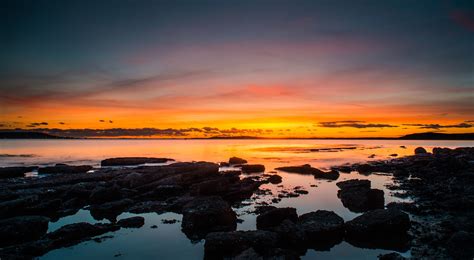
357 196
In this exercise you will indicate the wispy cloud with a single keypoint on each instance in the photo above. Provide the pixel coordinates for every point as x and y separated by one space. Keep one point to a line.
439 126
354 124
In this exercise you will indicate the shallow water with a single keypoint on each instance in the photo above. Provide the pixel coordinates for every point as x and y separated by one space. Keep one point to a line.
167 241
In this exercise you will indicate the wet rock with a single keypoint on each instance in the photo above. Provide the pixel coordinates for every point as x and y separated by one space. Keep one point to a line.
64 168
227 244
322 229
391 256
17 207
212 187
357 196
164 192
123 161
252 168
460 245
236 160
74 233
132 222
307 169
274 217
380 228
169 221
275 179
420 150
22 229
207 214
393 155
12 172
403 206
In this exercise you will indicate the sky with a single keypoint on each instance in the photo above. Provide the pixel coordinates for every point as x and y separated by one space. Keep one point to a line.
237 68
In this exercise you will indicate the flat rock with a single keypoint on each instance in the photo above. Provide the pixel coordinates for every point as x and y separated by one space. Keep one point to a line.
64 168
123 161
307 169
357 196
132 222
323 229
252 168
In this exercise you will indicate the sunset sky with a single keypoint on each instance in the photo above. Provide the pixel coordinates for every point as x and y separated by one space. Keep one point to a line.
227 68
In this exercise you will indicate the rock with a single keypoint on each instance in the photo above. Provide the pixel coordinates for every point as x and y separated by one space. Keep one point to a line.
252 168
236 160
460 245
391 256
394 155
227 244
420 150
290 234
357 196
12 172
104 194
274 217
212 187
322 229
110 210
22 229
17 207
132 222
380 228
64 168
74 233
207 214
123 161
307 169
275 179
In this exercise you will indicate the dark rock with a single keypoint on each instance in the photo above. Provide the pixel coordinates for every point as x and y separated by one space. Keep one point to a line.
22 229
275 179
322 229
357 196
394 155
460 245
252 168
236 160
64 168
403 206
12 172
274 217
420 150
105 194
154 226
391 256
207 214
74 233
132 222
169 221
307 169
227 244
212 187
110 210
380 228
122 161
17 207
224 164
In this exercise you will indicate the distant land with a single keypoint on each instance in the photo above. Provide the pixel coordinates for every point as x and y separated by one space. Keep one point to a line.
418 136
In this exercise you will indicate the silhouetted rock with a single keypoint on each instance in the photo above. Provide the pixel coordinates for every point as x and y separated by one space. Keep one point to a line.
307 169
74 233
322 229
132 222
104 194
252 168
22 229
64 168
273 217
357 196
460 245
123 161
207 214
275 179
110 210
236 160
380 228
12 172
420 150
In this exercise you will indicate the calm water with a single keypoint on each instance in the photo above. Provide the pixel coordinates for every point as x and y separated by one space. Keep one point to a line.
167 241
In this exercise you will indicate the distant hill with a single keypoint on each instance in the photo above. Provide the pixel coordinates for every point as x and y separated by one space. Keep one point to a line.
28 135
438 136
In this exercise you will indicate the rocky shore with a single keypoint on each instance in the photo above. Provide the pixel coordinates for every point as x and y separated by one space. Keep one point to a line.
438 224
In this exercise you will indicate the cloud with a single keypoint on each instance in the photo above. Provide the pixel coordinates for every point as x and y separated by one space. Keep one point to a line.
36 124
353 124
147 132
438 126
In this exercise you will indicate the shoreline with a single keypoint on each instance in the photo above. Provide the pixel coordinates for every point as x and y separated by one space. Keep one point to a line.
440 183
